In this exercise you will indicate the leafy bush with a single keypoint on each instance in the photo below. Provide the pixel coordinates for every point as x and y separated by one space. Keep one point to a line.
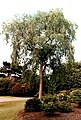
49 104
33 105
76 96
63 96
50 108
49 98
4 87
65 106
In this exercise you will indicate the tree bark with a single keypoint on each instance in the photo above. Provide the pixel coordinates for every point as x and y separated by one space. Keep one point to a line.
41 80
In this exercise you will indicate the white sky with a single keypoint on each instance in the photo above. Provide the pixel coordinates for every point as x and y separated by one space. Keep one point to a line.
9 8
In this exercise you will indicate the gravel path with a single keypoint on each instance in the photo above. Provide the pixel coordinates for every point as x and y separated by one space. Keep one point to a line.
8 98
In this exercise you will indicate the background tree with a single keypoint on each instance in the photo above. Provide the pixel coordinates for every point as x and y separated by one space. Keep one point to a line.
42 39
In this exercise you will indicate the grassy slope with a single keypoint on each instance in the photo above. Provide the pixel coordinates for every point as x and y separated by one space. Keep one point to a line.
9 110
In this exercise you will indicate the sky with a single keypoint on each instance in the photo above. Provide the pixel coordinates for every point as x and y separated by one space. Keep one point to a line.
10 8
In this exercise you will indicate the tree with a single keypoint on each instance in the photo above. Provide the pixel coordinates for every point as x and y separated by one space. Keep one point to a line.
6 68
41 39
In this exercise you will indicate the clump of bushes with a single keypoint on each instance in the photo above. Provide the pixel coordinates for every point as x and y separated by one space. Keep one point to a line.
13 87
33 105
49 104
17 89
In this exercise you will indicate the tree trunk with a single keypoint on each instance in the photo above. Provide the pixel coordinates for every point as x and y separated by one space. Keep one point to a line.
41 80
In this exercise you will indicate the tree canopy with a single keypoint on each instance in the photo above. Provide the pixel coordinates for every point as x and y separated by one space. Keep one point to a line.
41 39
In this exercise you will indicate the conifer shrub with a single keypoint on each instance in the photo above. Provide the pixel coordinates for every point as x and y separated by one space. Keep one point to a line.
33 105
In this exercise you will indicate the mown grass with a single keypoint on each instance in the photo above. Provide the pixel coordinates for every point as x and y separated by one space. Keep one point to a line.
9 110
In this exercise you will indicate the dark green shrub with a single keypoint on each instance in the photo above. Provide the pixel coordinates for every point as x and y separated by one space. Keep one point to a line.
4 87
49 104
49 98
65 106
33 105
50 108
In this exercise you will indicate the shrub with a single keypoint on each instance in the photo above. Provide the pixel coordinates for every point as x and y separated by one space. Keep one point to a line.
65 106
50 108
76 96
63 96
49 104
49 98
4 87
33 105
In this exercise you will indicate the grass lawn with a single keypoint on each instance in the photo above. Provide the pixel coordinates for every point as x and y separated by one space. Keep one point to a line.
9 110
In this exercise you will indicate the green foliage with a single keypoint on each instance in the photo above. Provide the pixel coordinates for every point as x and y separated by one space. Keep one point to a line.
63 96
30 78
65 106
33 105
49 105
76 96
50 108
49 98
4 86
60 102
42 37
50 31
65 77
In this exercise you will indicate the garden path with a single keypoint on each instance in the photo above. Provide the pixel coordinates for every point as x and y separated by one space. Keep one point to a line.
9 98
